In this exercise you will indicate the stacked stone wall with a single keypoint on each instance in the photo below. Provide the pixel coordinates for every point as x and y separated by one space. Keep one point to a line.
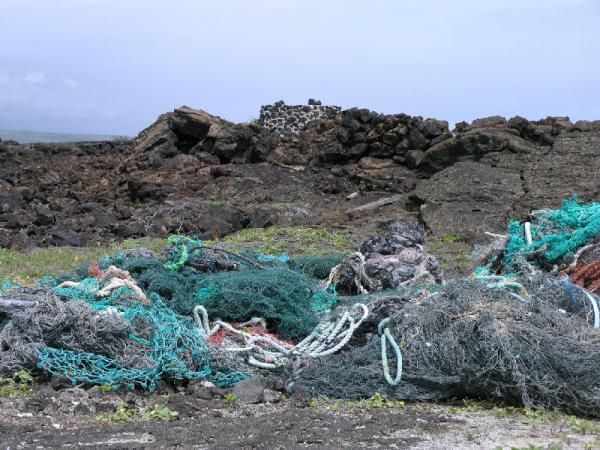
290 119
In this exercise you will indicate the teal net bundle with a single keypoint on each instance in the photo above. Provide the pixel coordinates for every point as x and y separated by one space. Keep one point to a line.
115 341
171 348
556 235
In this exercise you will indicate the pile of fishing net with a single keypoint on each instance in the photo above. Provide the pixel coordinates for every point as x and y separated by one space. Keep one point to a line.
520 331
126 321
524 329
120 340
467 339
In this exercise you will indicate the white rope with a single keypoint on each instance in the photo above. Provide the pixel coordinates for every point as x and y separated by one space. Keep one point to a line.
264 352
580 252
594 307
115 282
528 238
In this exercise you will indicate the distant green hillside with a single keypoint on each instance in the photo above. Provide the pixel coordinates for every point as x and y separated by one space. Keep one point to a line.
29 137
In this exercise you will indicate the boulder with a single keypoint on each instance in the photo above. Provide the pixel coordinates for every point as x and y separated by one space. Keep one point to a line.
473 145
219 221
468 197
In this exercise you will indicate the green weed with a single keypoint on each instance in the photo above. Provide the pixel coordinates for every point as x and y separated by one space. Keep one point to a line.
377 401
123 414
450 238
230 399
18 386
290 240
161 412
582 425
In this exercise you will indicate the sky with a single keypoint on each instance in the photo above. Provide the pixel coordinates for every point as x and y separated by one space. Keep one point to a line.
112 66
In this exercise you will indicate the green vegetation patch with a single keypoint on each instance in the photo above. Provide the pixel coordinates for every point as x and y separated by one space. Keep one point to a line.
27 267
125 413
19 386
377 401
294 241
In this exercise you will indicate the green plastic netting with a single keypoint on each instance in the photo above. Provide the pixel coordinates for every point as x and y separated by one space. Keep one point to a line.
558 234
176 287
316 266
289 301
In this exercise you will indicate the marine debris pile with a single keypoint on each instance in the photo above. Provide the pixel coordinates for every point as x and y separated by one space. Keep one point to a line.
524 329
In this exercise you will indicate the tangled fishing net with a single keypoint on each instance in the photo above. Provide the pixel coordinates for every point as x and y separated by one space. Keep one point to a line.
469 340
381 320
390 261
126 321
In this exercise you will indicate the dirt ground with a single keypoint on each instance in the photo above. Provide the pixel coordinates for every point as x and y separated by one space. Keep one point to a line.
75 418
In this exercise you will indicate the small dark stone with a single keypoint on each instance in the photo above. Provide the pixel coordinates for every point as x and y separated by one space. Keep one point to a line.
62 238
44 216
492 121
201 389
250 390
82 409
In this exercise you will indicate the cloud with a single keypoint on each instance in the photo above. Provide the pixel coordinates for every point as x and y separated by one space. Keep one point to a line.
69 82
35 78
35 93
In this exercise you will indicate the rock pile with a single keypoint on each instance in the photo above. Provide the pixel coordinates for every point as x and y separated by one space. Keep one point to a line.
191 172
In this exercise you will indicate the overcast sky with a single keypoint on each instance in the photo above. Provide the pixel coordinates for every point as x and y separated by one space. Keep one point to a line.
112 66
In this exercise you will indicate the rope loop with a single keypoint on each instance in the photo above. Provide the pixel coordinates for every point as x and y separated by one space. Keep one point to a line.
386 336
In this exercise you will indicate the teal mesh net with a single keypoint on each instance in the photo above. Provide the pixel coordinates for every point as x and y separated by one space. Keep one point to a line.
174 349
8 284
288 300
558 234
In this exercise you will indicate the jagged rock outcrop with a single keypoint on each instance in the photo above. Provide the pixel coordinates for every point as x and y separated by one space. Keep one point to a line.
194 173
482 193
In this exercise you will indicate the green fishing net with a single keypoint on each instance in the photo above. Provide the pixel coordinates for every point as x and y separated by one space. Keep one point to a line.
289 301
163 346
316 266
